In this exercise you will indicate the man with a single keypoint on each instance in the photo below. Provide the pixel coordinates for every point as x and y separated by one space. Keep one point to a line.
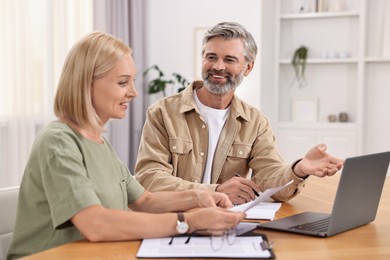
206 137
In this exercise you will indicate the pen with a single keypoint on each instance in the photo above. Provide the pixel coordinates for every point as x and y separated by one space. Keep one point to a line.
256 193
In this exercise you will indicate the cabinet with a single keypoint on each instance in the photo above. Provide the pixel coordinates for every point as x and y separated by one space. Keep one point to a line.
345 72
294 140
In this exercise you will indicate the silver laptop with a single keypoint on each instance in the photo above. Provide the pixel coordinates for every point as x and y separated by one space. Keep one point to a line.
356 201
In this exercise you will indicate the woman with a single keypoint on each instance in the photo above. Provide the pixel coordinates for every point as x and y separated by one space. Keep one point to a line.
75 187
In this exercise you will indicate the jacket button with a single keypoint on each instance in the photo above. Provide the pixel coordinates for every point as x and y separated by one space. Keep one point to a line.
240 152
202 154
174 147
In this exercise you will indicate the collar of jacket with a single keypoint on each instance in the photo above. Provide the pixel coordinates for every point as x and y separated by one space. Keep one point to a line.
236 108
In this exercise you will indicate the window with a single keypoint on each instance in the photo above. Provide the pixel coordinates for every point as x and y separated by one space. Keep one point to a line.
36 36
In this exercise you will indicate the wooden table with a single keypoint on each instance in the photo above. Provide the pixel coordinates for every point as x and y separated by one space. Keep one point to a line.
371 241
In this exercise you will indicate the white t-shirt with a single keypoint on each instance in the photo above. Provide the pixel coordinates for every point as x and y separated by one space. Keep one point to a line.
215 119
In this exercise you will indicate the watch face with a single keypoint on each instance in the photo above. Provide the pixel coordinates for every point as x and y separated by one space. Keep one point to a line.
182 227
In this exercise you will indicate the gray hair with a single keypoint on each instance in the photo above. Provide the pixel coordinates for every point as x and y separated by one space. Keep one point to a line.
232 30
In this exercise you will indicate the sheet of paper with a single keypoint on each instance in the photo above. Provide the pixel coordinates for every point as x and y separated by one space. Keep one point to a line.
264 196
243 247
263 210
244 227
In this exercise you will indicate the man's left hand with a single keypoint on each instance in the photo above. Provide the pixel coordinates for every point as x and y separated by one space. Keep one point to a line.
318 163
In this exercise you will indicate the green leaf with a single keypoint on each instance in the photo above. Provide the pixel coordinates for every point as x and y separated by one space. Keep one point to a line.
159 84
299 63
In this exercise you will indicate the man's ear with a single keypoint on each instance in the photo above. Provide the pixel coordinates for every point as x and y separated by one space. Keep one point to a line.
249 68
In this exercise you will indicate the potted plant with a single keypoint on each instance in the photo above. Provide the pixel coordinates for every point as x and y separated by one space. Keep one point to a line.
299 62
160 83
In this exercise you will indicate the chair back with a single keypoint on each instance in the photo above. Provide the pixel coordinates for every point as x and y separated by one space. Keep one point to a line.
8 204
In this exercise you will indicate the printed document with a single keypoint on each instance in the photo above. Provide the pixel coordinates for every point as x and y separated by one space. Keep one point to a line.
264 196
263 210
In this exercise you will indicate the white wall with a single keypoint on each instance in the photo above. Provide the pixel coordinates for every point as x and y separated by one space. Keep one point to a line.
170 33
267 59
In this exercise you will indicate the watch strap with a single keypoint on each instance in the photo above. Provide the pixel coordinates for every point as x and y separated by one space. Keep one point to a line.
182 226
180 217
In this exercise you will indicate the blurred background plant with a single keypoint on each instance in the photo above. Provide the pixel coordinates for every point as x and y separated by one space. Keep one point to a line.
299 63
160 83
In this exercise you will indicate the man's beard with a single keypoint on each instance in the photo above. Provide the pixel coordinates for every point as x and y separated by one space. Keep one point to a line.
220 89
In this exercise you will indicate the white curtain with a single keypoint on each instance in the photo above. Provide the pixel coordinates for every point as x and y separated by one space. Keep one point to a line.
139 105
125 20
36 36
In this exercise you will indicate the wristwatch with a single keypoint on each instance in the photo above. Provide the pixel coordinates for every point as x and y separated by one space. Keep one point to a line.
181 226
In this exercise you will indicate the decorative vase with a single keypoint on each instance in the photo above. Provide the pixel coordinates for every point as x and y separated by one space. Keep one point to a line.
332 118
343 117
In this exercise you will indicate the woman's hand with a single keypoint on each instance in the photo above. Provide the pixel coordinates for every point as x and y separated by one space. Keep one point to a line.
213 219
207 198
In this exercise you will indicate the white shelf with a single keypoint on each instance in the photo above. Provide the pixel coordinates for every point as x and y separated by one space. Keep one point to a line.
376 60
319 125
357 85
319 15
337 83
323 61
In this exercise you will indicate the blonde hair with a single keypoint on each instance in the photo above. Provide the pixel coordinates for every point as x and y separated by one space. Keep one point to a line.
90 58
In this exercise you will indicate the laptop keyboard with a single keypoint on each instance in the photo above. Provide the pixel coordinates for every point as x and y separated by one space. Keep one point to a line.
317 226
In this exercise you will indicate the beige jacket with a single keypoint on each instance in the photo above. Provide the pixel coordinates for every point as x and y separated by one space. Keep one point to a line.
173 148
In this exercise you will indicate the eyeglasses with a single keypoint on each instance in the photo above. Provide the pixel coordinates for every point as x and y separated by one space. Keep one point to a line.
217 237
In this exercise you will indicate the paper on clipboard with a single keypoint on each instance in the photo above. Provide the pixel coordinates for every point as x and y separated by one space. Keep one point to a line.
264 196
200 247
